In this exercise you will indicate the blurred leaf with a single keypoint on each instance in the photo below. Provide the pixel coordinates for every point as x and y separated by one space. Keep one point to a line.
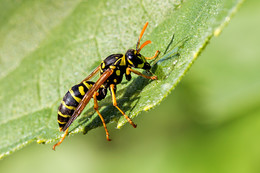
46 47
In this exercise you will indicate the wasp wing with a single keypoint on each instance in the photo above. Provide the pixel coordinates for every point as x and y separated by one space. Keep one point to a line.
92 74
88 96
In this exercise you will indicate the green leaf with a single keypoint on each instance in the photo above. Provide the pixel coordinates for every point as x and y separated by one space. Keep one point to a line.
46 47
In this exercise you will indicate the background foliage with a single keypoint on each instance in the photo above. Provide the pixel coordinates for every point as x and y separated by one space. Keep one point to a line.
44 54
210 123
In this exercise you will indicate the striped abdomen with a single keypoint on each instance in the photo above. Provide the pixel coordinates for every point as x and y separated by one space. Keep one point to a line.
71 100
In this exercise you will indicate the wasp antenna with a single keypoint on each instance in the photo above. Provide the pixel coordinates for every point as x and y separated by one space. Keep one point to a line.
144 44
140 36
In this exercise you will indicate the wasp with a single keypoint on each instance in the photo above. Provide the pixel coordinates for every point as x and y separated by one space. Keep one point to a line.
112 70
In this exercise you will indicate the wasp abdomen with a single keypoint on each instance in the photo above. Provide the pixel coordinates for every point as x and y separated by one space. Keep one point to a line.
71 100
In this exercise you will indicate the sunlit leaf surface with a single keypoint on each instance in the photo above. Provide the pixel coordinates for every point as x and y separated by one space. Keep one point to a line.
46 47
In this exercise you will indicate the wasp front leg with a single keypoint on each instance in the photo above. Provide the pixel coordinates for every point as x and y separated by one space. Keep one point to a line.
155 55
128 76
129 70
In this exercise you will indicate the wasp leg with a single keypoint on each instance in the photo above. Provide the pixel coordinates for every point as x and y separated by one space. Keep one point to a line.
112 86
61 140
155 55
99 114
129 70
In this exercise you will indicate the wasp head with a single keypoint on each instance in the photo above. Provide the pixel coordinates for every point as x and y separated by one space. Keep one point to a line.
133 56
137 60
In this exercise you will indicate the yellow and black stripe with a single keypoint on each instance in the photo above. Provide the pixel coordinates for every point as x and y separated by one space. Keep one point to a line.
71 100
118 63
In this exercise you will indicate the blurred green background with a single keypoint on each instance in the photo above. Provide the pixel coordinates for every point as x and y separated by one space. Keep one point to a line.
209 123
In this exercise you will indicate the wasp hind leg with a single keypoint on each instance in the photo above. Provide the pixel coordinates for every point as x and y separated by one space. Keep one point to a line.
99 114
61 140
112 89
